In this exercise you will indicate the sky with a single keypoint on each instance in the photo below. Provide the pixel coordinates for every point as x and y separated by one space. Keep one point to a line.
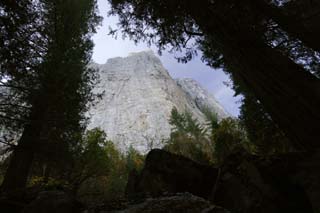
213 80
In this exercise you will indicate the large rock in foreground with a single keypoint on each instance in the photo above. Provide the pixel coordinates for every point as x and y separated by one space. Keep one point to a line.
186 203
53 202
166 173
240 185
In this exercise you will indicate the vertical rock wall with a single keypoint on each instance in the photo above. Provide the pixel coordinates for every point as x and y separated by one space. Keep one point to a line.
138 95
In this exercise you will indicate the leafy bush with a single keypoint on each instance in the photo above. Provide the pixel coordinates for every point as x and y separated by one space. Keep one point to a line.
48 183
90 159
108 166
97 171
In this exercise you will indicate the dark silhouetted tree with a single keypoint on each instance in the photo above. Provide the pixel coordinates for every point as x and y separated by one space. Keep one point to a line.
62 85
233 35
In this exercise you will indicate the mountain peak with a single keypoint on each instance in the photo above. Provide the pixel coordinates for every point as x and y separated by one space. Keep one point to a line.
202 98
138 95
144 52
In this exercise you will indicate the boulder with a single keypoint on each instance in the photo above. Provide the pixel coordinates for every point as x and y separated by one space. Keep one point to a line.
251 184
307 174
243 184
185 202
53 202
166 173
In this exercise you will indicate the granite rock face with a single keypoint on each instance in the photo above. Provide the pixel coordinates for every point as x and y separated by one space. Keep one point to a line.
137 96
201 97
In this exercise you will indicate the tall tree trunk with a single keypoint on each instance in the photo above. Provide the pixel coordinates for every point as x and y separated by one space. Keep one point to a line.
18 171
299 19
289 93
22 157
47 172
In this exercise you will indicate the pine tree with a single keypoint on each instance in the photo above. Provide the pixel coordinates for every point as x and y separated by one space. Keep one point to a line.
63 83
298 18
20 54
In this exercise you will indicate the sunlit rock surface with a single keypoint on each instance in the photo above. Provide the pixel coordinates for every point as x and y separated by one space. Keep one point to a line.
201 97
138 95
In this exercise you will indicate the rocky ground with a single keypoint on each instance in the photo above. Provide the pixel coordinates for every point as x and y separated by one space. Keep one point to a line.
171 183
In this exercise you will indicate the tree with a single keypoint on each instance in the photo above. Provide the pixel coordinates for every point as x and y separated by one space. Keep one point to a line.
209 143
188 138
299 18
90 158
233 38
229 138
20 53
60 94
263 133
186 124
134 160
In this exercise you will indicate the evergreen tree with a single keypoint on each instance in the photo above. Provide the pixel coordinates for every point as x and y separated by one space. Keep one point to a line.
298 18
63 80
188 138
207 147
186 124
21 51
263 133
134 160
229 138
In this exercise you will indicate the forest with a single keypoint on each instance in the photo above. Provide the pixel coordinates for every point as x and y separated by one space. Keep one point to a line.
265 160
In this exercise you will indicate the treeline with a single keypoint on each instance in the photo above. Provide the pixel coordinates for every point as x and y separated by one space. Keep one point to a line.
270 49
213 142
96 171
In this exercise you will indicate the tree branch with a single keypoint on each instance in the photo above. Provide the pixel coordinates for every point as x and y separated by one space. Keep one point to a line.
192 33
8 143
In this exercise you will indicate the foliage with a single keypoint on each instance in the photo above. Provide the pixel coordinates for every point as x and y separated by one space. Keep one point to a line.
257 43
48 184
263 133
134 160
209 143
21 50
105 160
185 123
90 158
65 78
188 138
198 150
253 133
230 137
212 119
58 84
100 170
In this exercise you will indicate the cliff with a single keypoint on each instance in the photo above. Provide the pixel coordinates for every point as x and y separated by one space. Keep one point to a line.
138 95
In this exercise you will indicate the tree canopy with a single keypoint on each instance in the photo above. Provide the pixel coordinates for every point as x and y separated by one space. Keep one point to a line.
46 53
255 41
